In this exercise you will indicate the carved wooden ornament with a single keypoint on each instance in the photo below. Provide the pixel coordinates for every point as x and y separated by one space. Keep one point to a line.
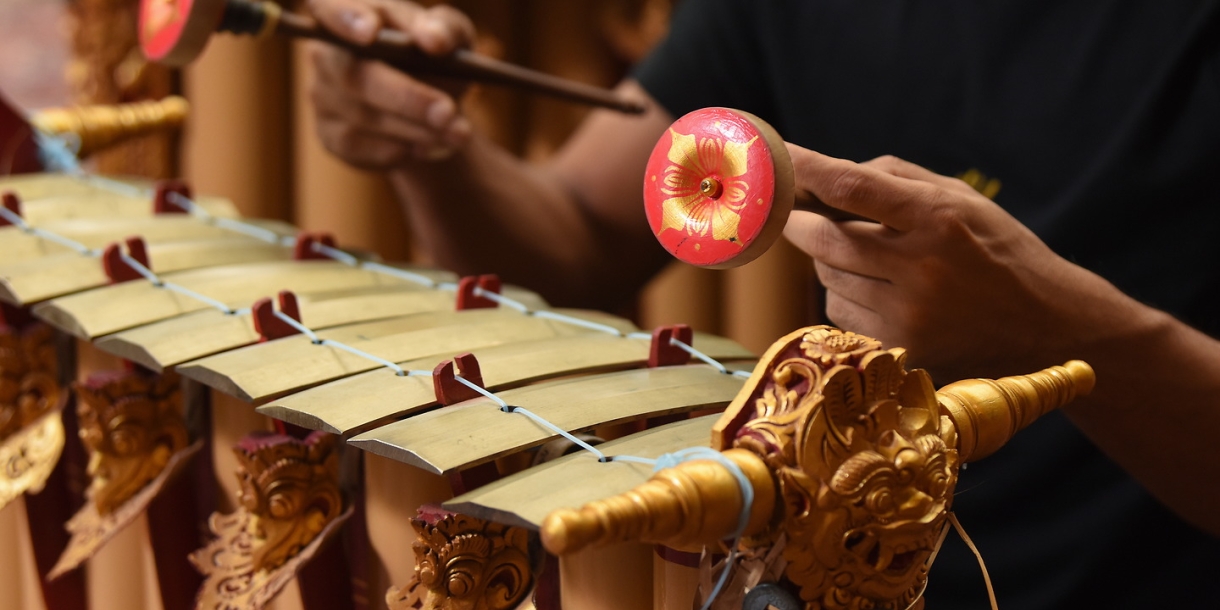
853 461
132 426
31 430
464 563
289 505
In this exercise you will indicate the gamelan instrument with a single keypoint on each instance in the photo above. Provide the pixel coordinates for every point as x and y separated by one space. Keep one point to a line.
719 188
339 419
174 32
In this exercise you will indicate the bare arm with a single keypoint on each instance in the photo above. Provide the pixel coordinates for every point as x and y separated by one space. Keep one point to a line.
972 292
573 228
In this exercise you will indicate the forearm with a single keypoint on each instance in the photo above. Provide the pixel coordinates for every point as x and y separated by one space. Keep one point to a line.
573 228
485 211
1156 410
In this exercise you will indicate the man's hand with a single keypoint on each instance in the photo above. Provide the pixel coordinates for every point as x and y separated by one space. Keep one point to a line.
371 115
946 272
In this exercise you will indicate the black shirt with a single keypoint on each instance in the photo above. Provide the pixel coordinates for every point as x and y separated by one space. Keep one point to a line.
1102 121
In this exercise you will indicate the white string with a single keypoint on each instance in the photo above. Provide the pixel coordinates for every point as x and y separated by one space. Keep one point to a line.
335 253
402 274
237 226
708 359
669 460
316 340
55 153
500 299
301 328
505 407
558 317
17 221
156 281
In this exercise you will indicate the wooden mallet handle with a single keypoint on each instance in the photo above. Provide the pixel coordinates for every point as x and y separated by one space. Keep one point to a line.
174 32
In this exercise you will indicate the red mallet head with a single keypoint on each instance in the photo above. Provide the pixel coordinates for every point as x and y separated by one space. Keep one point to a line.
718 188
174 32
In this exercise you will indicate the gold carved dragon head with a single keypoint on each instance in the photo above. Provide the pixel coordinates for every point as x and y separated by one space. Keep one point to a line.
290 488
853 460
132 425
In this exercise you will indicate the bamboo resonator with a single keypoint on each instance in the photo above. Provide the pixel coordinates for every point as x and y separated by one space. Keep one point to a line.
853 461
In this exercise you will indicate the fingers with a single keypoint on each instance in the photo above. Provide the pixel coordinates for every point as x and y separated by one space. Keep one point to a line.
375 97
859 247
846 313
862 189
905 169
355 20
439 30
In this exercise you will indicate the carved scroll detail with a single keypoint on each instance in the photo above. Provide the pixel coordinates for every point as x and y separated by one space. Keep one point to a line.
464 563
853 461
289 505
31 431
132 425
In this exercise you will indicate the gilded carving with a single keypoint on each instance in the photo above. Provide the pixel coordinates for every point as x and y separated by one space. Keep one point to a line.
98 127
853 462
28 373
132 426
463 563
31 431
289 503
852 436
291 491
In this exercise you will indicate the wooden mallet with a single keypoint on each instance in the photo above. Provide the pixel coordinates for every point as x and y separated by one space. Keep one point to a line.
174 32
719 187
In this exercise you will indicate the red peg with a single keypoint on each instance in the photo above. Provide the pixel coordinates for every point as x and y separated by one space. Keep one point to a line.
268 325
467 299
451 391
116 268
13 204
303 251
661 353
161 202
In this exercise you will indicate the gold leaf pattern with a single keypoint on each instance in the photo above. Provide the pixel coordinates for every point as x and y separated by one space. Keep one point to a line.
692 160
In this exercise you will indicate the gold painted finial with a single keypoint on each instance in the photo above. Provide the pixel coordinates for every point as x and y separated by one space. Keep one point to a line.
987 413
101 126
694 502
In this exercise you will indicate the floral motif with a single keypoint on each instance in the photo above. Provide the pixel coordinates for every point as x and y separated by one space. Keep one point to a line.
865 467
830 346
703 185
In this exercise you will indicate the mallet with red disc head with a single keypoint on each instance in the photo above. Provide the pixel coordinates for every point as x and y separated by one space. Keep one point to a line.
719 188
174 32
